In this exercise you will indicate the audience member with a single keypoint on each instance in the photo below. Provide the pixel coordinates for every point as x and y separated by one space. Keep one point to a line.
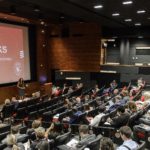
16 133
106 144
128 143
131 107
121 119
12 143
40 139
95 121
84 137
54 130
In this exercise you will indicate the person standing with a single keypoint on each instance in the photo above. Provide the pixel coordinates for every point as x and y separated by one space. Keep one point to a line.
21 88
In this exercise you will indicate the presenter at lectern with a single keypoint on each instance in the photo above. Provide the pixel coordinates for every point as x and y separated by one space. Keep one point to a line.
21 88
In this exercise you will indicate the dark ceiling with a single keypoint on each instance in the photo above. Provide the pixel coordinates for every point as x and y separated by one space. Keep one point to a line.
81 10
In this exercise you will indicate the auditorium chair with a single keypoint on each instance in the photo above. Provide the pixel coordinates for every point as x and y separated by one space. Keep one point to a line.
3 135
2 146
133 120
62 139
21 114
23 138
8 111
22 104
142 146
103 119
141 133
5 128
95 144
46 119
23 129
31 108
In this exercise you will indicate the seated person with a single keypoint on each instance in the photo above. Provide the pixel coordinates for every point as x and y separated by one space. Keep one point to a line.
131 107
128 143
113 85
31 132
121 119
95 121
54 130
40 139
7 103
84 137
125 96
15 132
106 144
12 144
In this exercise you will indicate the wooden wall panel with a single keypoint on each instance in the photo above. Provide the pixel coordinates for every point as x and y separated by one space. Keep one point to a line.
78 52
10 91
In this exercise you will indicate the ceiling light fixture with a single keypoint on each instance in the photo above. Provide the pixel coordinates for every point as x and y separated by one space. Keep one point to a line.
137 24
115 14
36 8
128 20
141 11
98 6
127 2
12 10
140 37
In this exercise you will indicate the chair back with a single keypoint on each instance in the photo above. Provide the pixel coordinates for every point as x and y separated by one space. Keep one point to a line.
63 139
94 145
142 146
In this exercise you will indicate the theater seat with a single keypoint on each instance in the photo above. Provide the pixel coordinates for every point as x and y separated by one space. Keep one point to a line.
63 139
94 145
2 146
142 146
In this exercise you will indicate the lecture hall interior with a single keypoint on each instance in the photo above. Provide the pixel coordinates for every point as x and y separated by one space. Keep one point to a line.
74 74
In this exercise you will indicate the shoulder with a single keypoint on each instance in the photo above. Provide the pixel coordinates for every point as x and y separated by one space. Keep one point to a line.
122 148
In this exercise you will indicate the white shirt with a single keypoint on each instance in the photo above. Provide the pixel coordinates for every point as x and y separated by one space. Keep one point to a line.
96 120
129 143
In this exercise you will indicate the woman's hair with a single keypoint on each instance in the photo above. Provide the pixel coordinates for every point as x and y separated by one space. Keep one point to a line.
132 106
106 144
11 139
36 124
7 101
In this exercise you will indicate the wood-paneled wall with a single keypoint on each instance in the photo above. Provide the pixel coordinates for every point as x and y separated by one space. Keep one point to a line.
10 91
78 50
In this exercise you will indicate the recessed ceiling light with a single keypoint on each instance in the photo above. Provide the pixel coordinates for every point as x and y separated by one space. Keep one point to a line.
141 11
140 37
98 6
115 14
127 2
128 20
137 24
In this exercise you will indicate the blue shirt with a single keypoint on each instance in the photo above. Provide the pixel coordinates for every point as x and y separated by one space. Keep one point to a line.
129 143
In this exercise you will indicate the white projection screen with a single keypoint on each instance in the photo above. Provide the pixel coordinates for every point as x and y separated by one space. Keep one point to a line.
14 53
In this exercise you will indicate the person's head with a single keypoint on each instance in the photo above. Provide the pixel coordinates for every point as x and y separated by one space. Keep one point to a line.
36 124
102 108
125 92
146 95
120 110
11 139
14 129
132 106
83 130
40 132
21 80
7 101
106 144
117 98
116 91
125 132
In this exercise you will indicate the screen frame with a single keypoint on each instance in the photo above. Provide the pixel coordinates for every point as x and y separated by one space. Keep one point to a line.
32 50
